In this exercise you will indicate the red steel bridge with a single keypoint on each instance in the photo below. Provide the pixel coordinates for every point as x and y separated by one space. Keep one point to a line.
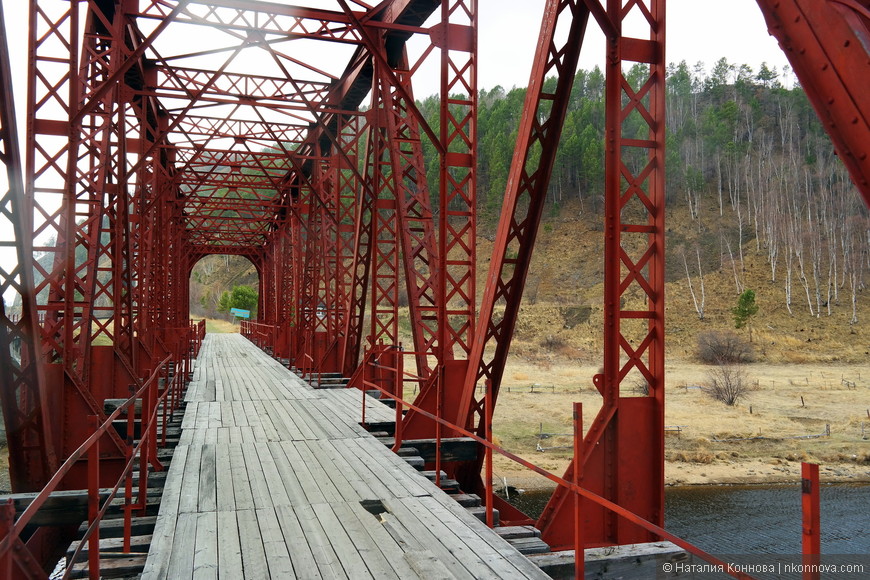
158 132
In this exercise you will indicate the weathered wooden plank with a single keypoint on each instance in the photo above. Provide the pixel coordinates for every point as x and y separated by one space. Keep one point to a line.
274 545
286 429
359 531
241 485
223 436
406 529
203 409
256 477
362 489
253 552
293 413
474 534
304 564
189 415
287 474
326 419
400 478
348 554
207 480
250 410
269 431
183 547
350 457
229 546
462 543
215 415
318 488
205 557
319 452
318 542
157 565
189 498
474 561
272 477
424 564
225 499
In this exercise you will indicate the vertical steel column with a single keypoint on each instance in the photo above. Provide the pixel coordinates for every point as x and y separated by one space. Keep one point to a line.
349 196
456 38
363 246
811 538
310 273
74 148
32 455
385 236
402 122
537 143
624 447
416 226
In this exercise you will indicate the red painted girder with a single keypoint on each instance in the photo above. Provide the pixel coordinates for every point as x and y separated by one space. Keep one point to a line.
827 43
384 243
415 223
456 37
359 271
528 180
624 447
182 82
266 18
23 396
201 126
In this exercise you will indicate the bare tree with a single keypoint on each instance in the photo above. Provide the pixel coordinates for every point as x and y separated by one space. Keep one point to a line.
699 305
728 384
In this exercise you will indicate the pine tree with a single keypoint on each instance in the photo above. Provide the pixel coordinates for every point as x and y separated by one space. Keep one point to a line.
746 308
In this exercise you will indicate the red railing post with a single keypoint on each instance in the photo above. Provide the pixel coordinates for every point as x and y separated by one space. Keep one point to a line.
363 390
439 412
488 451
128 469
399 392
579 554
812 543
94 501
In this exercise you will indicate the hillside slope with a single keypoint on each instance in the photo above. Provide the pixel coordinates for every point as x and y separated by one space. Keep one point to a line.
562 315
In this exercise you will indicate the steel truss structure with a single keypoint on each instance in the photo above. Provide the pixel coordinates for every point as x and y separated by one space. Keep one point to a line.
290 135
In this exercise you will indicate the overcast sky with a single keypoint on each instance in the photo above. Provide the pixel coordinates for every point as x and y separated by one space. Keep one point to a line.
697 30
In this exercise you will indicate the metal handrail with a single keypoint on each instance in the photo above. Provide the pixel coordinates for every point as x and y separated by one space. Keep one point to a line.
572 486
13 536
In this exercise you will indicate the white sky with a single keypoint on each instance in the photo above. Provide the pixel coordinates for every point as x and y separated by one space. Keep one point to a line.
697 30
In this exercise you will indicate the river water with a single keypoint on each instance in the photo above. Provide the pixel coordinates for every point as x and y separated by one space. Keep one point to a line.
755 519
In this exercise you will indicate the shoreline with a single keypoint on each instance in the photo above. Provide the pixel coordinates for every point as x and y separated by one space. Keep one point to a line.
680 474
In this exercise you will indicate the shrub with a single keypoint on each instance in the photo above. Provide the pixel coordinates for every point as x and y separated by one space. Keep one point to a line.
553 343
640 386
720 348
728 384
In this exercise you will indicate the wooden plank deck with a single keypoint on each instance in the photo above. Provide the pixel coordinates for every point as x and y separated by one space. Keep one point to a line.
275 479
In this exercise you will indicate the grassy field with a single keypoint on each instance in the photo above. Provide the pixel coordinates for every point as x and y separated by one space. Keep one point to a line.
782 421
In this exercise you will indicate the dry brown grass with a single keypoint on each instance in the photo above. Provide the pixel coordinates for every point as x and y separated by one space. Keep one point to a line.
699 454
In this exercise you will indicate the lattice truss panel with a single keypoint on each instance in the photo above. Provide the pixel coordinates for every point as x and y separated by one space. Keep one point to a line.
159 132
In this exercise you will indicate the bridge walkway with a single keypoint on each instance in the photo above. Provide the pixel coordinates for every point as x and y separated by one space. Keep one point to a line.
275 479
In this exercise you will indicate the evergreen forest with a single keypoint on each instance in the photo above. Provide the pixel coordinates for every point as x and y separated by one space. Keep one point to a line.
749 166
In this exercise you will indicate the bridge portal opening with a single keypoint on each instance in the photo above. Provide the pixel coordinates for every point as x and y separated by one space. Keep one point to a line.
219 283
